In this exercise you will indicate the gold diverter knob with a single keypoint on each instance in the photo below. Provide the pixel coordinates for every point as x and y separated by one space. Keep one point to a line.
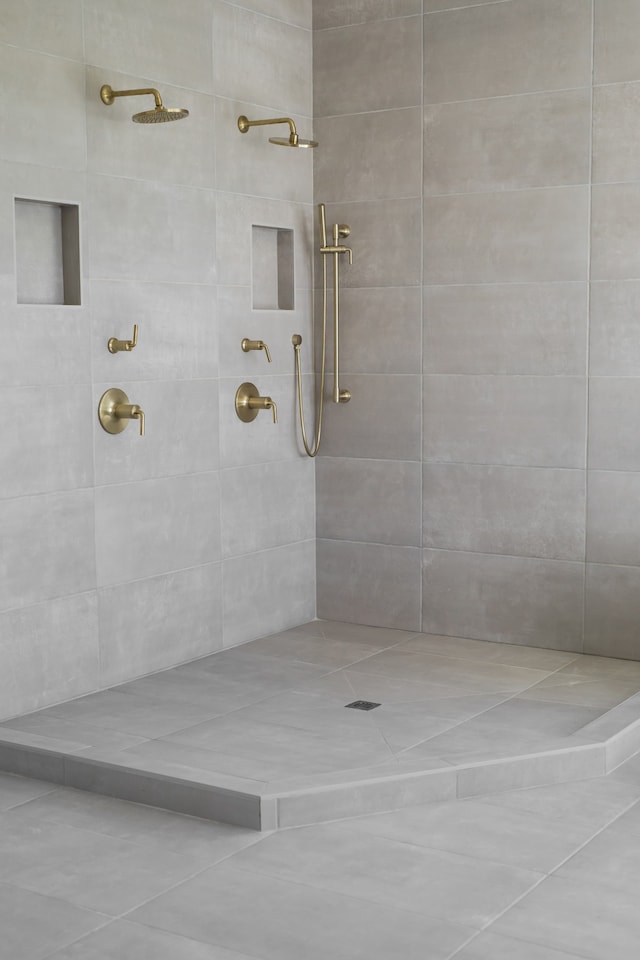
249 403
115 411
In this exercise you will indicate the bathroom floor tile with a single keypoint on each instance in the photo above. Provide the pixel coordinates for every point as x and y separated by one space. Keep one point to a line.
15 791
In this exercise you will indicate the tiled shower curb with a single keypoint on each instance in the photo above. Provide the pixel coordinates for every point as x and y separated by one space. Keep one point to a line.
614 737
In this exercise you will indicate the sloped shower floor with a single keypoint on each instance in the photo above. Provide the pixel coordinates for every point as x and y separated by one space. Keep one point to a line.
260 735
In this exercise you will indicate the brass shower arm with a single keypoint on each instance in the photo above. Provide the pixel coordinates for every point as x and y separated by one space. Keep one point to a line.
244 123
108 94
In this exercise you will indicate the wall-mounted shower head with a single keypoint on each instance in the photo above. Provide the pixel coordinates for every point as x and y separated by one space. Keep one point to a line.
160 113
293 140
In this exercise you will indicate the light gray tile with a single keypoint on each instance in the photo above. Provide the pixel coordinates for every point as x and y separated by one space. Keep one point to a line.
521 235
614 499
615 329
540 767
337 13
511 599
616 22
514 328
62 525
493 946
269 505
14 791
612 611
369 583
49 732
152 624
291 11
369 500
379 156
496 49
155 526
614 408
40 341
465 143
275 58
33 925
616 111
615 209
609 857
460 648
268 591
152 39
507 510
346 74
48 652
380 330
60 33
515 421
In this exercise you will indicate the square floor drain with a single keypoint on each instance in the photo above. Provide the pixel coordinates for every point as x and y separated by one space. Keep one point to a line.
362 705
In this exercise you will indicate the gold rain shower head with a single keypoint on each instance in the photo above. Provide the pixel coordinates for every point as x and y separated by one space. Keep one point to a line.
293 140
160 114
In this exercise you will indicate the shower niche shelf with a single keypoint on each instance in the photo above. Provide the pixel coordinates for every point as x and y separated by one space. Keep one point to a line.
273 276
47 238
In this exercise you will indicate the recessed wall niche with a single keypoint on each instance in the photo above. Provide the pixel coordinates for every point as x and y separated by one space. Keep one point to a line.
273 278
47 252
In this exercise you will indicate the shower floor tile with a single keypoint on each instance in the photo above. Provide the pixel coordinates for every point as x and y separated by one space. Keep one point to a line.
261 730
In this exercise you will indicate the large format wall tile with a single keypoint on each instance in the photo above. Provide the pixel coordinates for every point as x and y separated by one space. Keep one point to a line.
372 583
615 253
515 421
380 330
509 599
616 111
506 510
340 13
613 518
512 328
377 501
614 414
297 12
59 33
522 235
615 329
617 23
612 611
499 49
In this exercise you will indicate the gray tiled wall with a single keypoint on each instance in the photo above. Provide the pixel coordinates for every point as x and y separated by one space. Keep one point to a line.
523 115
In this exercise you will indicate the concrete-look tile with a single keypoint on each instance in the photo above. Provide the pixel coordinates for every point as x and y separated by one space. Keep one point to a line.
274 57
45 731
614 407
156 526
379 156
162 152
375 501
609 857
570 915
460 648
174 441
151 39
493 946
60 33
385 237
248 163
64 563
336 630
616 108
583 691
613 511
369 583
615 329
297 645
521 235
291 11
522 511
268 591
615 210
513 421
346 62
177 337
163 232
152 624
47 440
540 767
511 599
15 791
338 13
593 803
616 22
124 939
495 50
514 328
549 132
289 920
33 925
380 422
269 505
49 123
612 611
48 652
380 330
40 340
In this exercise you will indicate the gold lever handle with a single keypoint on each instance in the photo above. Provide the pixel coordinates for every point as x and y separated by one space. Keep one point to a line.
130 411
115 346
255 345
249 403
114 410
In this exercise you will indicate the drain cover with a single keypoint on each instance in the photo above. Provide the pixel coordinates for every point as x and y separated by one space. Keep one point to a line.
362 705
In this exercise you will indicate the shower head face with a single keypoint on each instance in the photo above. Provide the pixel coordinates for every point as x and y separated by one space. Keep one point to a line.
293 141
160 115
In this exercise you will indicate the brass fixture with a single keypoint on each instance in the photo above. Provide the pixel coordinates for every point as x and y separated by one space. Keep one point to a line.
249 403
160 113
340 231
115 346
256 345
293 140
115 411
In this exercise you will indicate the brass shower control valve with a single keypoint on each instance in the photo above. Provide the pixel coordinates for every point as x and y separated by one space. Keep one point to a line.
115 346
115 411
255 345
249 403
